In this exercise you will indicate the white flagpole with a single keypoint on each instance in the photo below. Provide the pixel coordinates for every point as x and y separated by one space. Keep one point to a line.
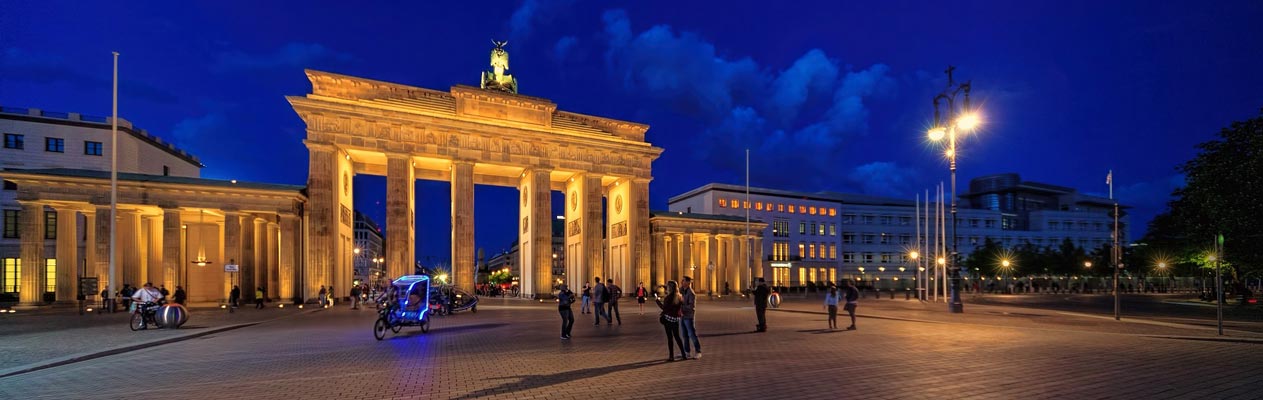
113 279
749 241
942 215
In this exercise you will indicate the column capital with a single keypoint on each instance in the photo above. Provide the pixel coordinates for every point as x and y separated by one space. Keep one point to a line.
461 161
32 203
319 146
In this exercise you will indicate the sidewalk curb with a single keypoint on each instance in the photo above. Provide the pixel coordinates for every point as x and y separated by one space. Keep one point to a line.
1209 339
75 358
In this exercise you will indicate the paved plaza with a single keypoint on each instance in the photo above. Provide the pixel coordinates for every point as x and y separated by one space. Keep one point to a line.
511 349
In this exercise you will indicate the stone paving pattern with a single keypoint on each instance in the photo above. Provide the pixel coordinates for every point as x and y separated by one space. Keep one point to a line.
510 349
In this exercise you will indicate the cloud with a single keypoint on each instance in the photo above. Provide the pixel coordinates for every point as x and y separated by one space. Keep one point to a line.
883 178
531 12
291 55
48 69
801 116
564 46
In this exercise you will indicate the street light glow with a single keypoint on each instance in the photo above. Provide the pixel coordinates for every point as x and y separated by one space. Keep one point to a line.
914 255
1004 263
968 122
937 133
942 261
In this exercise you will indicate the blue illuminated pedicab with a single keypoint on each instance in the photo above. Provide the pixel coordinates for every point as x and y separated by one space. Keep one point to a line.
408 305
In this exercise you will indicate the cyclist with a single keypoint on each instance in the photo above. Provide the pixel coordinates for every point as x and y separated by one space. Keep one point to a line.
146 300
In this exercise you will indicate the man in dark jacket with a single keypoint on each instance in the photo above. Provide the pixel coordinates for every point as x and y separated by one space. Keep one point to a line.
761 293
614 293
599 296
564 299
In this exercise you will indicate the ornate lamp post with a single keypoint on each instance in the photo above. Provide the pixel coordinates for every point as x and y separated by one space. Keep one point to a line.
948 126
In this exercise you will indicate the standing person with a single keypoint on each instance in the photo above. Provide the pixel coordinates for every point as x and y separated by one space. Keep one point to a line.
106 302
355 297
831 304
615 293
180 296
641 294
671 306
321 296
852 300
258 297
233 296
587 299
163 289
688 331
761 292
331 297
564 299
599 296
126 295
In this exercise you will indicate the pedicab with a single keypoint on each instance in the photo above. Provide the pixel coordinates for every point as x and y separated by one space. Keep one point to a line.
408 304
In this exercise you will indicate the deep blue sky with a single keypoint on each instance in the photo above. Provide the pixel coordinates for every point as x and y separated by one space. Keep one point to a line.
830 95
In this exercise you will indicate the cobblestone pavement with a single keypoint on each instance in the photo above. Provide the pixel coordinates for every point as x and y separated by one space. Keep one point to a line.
512 350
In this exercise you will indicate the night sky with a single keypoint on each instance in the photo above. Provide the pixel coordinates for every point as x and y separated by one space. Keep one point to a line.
828 96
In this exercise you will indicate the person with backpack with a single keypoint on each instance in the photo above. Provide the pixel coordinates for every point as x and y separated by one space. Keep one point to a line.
564 299
672 308
599 296
587 299
615 293
641 294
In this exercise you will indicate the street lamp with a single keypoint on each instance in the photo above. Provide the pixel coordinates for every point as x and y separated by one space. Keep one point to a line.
947 127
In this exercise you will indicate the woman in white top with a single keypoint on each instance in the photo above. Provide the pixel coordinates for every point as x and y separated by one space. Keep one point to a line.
831 303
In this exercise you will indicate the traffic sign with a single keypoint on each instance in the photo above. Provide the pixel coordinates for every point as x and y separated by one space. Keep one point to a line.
232 268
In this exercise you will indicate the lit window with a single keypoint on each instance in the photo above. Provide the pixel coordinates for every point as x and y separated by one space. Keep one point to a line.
12 272
50 275
833 229
723 203
811 250
802 209
746 204
769 206
833 251
833 212
780 208
811 210
791 208
802 249
758 206
821 230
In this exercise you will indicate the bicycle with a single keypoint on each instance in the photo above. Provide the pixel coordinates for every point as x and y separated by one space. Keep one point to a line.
143 316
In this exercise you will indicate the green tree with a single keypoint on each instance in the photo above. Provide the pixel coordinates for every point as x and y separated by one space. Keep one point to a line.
984 259
1223 193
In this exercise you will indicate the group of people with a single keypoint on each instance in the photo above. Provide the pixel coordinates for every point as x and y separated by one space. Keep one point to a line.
128 295
604 300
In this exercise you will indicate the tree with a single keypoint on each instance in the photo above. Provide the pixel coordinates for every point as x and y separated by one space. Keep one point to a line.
1223 193
984 259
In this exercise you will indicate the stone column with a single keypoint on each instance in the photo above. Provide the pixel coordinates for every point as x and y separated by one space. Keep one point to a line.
400 215
715 277
535 232
271 281
129 247
758 257
322 216
89 247
172 230
67 255
287 271
102 248
246 277
260 254
659 250
155 266
686 256
463 224
31 234
638 229
232 249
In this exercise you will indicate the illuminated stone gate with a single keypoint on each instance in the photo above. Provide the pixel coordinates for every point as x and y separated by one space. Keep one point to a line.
469 136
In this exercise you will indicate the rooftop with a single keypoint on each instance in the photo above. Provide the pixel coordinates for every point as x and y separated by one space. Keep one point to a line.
709 217
129 177
844 198
89 121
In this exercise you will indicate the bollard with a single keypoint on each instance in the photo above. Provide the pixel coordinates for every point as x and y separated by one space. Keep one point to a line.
907 294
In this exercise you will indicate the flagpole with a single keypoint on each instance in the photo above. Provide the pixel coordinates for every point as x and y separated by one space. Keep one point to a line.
1118 252
114 182
749 240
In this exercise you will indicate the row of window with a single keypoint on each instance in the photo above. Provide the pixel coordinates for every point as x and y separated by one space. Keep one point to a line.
806 251
870 258
1082 226
778 207
12 219
12 275
51 144
780 276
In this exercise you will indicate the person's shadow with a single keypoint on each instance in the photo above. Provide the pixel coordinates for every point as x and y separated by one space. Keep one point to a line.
527 382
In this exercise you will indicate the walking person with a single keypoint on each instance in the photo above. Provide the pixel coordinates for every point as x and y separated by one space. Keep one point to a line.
615 293
641 294
688 331
599 297
356 291
258 298
671 306
564 299
233 296
587 299
321 296
831 304
761 292
852 300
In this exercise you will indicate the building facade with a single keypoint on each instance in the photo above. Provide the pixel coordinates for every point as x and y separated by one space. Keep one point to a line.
369 253
816 238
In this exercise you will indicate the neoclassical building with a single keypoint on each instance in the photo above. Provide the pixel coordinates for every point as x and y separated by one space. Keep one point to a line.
718 251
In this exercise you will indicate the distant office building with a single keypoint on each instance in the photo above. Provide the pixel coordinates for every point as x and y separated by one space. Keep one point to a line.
819 237
510 259
371 257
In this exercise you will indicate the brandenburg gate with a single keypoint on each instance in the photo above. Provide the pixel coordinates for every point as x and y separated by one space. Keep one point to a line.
467 136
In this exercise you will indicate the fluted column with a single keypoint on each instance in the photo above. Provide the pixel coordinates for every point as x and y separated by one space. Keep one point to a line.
322 216
686 255
758 257
463 224
31 234
155 267
659 250
129 247
400 215
67 255
638 229
288 268
247 258
102 248
172 230
271 260
712 255
89 247
535 238
232 248
260 253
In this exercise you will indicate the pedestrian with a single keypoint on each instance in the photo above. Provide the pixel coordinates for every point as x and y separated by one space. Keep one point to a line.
761 293
852 300
688 309
258 298
641 294
126 295
331 296
355 297
163 289
564 299
107 303
587 299
599 297
831 304
615 293
233 296
180 296
671 306
321 296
